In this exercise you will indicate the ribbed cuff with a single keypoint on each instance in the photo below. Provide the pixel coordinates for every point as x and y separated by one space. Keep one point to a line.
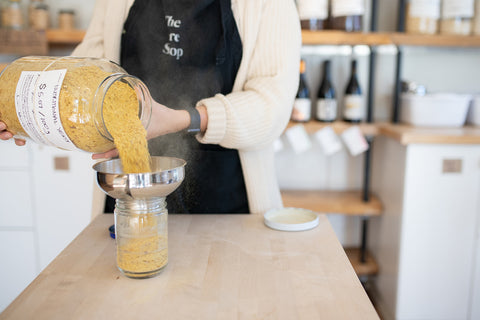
217 120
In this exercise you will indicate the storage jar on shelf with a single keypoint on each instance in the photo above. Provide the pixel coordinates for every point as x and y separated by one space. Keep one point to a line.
457 17
313 14
347 15
12 15
422 16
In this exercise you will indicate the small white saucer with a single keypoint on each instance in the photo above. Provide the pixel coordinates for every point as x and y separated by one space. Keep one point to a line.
291 219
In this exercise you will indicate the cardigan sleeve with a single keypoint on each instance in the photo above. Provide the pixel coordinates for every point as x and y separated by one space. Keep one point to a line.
254 116
92 44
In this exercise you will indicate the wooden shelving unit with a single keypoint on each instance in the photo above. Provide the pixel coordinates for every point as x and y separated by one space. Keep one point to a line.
367 268
341 202
328 37
65 37
368 129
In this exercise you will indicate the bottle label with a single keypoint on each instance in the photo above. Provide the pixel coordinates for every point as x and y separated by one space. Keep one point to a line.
342 8
326 109
312 9
302 109
425 9
36 103
354 107
457 8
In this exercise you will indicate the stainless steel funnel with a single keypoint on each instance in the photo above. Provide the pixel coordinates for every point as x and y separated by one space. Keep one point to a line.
167 174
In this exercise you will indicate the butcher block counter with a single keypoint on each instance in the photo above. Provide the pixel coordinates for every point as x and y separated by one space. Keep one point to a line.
220 267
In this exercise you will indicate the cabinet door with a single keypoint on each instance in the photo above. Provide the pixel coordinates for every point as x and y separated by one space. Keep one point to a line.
438 232
15 199
63 198
475 299
18 266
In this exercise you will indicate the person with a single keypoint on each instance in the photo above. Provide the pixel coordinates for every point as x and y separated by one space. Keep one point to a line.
224 70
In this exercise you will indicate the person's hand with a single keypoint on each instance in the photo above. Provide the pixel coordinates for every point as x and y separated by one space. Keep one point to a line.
7 135
105 155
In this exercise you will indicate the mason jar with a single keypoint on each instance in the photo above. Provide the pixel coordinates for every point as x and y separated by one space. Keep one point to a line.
422 16
141 235
64 101
457 17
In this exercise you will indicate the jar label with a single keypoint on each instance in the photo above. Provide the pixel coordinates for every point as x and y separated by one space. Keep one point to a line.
425 9
457 8
36 102
342 8
326 109
353 107
312 9
302 109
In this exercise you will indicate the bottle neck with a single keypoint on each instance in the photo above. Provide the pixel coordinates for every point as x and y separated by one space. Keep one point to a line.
143 97
326 70
354 68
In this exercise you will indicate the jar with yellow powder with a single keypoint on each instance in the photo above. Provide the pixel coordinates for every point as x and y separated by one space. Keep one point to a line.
72 103
141 236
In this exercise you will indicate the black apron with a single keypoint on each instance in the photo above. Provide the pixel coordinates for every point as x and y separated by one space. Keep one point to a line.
184 51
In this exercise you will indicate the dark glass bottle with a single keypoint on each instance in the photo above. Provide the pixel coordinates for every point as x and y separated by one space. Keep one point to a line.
313 14
326 108
302 107
353 101
347 15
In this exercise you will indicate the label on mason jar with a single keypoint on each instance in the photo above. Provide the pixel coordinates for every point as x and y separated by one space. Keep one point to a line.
342 8
312 9
302 109
425 8
36 102
353 107
457 8
326 109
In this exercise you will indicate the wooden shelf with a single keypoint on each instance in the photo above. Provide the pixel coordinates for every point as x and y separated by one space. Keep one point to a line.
403 39
368 129
341 202
387 38
69 37
367 268
328 37
406 134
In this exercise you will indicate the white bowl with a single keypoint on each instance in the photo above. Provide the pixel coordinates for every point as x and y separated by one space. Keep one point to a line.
291 219
435 110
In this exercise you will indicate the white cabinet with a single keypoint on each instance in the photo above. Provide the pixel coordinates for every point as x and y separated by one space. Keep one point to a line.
43 208
18 265
426 243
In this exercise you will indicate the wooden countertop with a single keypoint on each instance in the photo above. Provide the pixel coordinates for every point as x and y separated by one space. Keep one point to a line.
406 134
220 267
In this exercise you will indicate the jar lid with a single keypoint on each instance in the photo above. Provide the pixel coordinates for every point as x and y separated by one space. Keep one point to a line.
291 219
68 11
112 231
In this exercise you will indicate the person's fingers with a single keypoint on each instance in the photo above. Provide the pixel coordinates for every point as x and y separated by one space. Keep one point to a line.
3 126
5 135
109 154
20 142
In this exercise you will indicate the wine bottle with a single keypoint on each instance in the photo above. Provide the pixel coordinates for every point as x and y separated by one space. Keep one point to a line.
353 101
302 107
326 108
347 15
313 14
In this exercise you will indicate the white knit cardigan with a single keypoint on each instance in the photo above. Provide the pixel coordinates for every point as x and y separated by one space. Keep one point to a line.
257 111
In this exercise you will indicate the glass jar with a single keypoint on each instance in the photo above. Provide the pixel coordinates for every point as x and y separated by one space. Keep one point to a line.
422 16
476 21
457 17
64 101
38 15
12 15
66 19
141 235
313 14
347 15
